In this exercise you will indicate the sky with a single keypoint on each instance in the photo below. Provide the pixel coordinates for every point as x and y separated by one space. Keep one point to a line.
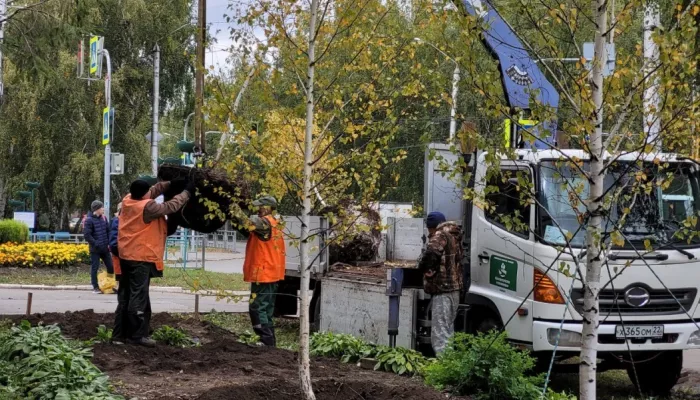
218 27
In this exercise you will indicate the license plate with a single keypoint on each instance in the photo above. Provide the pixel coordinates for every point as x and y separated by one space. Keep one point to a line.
639 331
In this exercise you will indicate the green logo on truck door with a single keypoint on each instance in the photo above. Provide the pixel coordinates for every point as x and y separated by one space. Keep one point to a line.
504 273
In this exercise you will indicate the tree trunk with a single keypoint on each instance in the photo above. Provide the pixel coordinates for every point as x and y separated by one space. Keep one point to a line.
304 361
594 254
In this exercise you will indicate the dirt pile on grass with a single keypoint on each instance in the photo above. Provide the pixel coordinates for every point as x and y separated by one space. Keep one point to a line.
223 368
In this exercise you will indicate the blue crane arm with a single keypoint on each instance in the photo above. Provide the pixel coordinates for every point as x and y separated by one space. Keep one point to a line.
520 74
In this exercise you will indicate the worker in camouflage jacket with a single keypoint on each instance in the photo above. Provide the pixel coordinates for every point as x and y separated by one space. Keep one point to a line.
441 264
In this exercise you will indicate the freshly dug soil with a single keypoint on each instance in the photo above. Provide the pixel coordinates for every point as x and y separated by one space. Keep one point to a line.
222 368
213 185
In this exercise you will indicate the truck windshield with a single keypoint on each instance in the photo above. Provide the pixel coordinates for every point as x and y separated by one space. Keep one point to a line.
655 211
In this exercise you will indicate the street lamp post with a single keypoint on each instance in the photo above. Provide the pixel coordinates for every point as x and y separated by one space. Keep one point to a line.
187 121
24 195
455 88
32 187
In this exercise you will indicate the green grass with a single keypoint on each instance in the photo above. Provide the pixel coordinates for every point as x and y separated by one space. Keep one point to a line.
80 275
286 329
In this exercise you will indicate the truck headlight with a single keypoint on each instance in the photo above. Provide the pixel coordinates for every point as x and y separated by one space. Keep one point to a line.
694 339
566 338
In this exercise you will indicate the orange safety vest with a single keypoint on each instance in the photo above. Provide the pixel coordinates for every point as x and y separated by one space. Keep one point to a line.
265 259
140 241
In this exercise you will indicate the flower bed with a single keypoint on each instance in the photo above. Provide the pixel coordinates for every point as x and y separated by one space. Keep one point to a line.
43 254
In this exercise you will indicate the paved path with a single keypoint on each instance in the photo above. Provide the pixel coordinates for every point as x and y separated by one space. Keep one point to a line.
14 301
231 263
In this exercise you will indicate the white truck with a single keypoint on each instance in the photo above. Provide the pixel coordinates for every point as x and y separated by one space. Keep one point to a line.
647 311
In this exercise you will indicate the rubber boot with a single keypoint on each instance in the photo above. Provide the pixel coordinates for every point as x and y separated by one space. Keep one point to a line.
268 336
274 337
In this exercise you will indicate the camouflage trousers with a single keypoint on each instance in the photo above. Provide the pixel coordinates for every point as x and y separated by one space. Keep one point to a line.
444 311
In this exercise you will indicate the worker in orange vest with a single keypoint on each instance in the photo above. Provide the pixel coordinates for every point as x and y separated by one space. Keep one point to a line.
264 267
141 238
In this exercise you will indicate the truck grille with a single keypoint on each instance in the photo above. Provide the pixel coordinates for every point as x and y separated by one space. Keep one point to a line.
661 302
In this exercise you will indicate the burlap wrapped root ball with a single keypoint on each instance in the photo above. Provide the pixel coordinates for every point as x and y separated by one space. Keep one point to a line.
214 187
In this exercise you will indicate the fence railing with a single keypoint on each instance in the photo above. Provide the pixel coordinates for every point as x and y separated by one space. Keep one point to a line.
64 237
223 239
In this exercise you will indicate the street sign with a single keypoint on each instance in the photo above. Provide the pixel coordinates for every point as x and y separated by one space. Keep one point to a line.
106 126
93 54
26 217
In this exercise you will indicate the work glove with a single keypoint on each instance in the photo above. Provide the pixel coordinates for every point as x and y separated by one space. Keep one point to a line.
190 188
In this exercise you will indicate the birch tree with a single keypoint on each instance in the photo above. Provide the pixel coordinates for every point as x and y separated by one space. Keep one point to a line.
348 62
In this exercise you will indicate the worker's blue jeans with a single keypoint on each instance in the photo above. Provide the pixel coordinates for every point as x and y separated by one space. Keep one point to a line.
95 258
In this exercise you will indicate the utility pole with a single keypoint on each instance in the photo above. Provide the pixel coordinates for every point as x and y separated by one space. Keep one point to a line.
108 147
155 136
199 140
97 53
652 123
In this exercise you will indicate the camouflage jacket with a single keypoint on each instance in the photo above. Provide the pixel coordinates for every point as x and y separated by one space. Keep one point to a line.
441 262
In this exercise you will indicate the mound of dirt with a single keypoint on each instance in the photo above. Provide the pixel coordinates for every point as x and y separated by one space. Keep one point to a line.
223 368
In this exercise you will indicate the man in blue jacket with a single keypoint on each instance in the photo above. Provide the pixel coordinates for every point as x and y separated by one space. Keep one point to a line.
96 233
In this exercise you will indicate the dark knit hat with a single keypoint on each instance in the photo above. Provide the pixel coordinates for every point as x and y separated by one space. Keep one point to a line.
434 219
96 205
138 189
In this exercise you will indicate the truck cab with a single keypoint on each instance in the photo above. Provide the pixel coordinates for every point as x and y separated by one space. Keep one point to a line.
526 274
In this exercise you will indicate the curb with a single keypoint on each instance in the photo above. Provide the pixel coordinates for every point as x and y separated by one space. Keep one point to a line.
157 289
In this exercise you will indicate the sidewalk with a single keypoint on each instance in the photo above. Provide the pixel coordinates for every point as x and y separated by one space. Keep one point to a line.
14 301
216 261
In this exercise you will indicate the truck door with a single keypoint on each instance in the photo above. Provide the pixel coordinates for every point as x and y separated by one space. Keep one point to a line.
503 258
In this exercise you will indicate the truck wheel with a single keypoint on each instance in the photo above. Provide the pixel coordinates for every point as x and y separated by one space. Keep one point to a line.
488 324
659 375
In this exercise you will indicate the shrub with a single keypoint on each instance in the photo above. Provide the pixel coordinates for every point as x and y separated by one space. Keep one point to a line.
485 366
39 363
351 349
399 360
42 254
172 337
249 338
338 345
104 334
12 231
